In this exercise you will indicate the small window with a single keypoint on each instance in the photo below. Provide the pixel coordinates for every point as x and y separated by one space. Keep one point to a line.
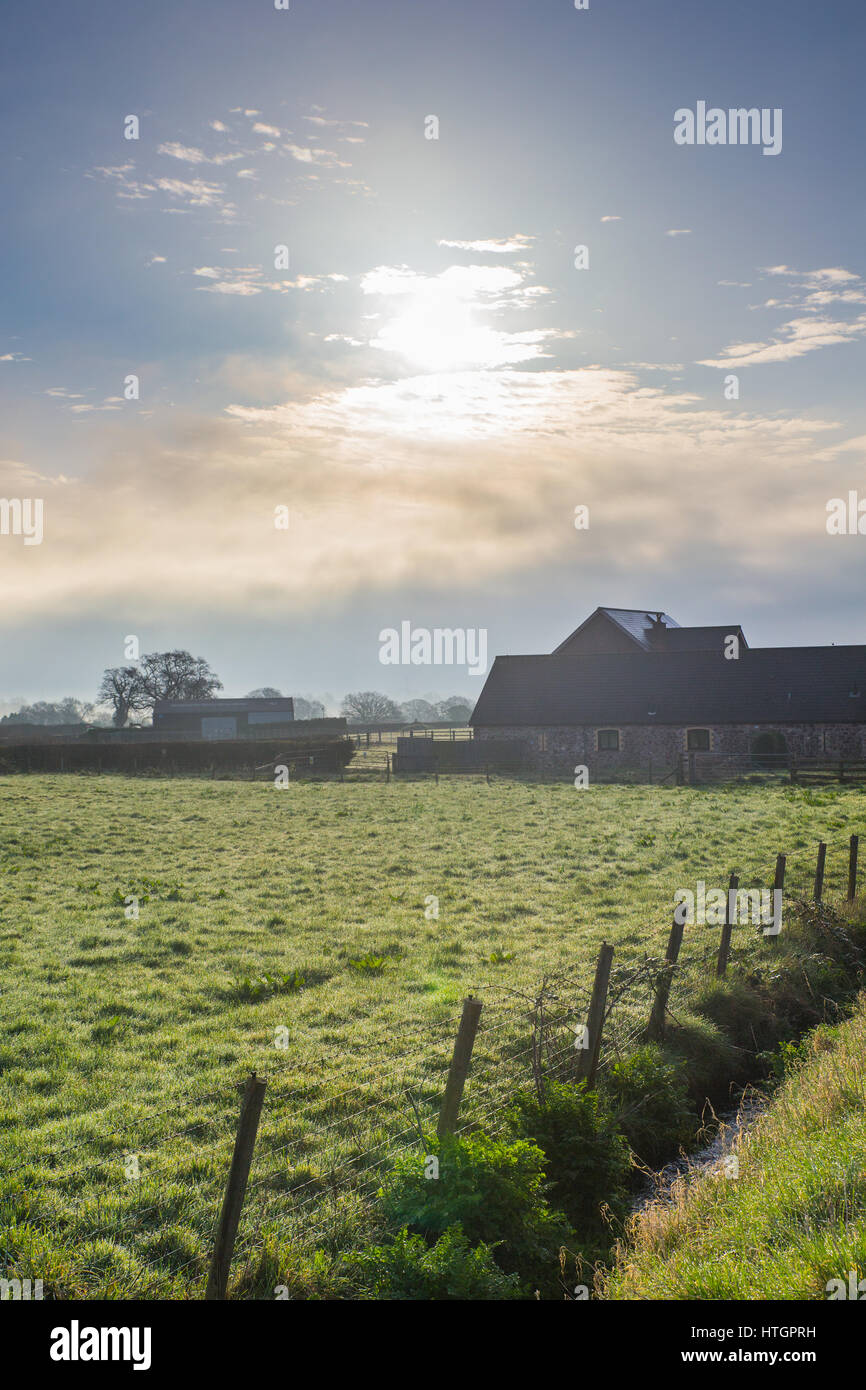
608 738
698 740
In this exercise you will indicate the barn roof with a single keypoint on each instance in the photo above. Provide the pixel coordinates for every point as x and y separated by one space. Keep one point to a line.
636 623
700 639
765 685
284 705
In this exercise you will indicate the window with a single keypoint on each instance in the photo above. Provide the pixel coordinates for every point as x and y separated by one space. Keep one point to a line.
608 738
698 740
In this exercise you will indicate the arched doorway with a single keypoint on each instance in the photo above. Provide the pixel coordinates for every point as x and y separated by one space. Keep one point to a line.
770 749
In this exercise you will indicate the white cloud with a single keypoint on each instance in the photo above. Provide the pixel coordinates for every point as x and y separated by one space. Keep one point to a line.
191 155
800 337
497 246
679 231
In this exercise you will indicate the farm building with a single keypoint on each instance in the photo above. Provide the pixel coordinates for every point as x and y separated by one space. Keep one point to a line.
630 685
218 719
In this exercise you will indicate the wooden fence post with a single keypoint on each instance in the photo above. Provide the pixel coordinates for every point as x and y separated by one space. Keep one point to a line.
730 913
656 1028
819 872
388 767
236 1186
852 867
588 1060
459 1069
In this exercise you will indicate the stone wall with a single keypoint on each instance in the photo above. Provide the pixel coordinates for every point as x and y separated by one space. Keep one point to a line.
561 748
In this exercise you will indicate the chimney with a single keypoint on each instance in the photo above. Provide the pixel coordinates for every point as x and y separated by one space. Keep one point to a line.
657 634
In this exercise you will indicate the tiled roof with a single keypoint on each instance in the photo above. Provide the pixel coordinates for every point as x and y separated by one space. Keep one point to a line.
765 685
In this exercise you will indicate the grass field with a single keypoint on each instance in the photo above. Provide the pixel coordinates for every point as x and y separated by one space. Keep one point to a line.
285 932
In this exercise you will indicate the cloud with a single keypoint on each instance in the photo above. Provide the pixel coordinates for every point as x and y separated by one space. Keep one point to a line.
305 154
679 231
436 462
190 155
800 336
261 129
14 357
611 217
809 291
501 247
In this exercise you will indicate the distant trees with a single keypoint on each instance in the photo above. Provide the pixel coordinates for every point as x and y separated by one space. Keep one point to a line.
456 709
308 709
304 708
418 711
66 711
174 675
370 707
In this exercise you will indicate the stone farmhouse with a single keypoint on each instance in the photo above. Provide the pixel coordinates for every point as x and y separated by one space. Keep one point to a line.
630 685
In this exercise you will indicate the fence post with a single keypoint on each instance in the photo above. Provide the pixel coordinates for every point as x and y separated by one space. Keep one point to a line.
730 913
819 872
588 1060
656 1028
236 1186
852 867
388 767
459 1069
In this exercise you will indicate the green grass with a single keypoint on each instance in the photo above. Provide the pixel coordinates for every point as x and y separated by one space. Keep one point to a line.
794 1219
285 932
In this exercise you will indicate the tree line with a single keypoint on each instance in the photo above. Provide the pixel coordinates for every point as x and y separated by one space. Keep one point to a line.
130 692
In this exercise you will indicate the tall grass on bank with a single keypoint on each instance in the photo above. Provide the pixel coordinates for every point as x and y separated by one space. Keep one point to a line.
794 1219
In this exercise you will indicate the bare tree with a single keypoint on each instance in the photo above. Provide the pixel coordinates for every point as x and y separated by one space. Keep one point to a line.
176 675
120 687
370 707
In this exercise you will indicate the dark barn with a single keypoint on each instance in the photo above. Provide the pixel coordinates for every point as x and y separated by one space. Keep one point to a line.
224 719
630 687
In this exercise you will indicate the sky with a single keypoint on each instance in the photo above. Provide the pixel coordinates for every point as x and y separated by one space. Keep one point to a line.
340 261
